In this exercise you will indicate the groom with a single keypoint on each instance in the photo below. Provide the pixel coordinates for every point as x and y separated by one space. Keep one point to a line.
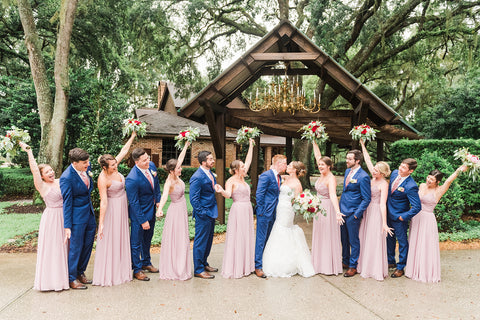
204 203
268 189
143 193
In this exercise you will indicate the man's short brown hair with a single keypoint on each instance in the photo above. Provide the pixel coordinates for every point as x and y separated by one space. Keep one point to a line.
77 154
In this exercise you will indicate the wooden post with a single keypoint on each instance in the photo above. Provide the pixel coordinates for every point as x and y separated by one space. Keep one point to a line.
220 166
380 155
254 172
328 149
288 148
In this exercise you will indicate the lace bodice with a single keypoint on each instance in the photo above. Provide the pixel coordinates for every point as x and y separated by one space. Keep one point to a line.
53 199
117 188
241 193
376 193
322 189
428 202
178 192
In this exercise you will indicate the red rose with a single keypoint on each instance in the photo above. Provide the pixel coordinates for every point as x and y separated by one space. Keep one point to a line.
310 201
183 133
311 209
138 123
130 121
364 131
314 129
246 130
302 195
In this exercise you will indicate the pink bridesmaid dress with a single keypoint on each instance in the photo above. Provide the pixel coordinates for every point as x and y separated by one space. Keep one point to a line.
175 260
113 264
423 262
326 243
52 256
239 255
372 262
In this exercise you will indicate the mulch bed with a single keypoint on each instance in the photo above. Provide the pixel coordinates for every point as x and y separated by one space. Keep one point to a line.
24 208
29 245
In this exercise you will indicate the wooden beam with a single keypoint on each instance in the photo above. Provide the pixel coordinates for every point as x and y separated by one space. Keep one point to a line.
220 165
254 170
380 155
289 72
285 56
212 128
289 149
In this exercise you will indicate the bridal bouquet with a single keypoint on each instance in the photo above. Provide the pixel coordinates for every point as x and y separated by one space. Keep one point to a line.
314 131
9 143
471 161
308 205
363 132
130 125
245 133
190 135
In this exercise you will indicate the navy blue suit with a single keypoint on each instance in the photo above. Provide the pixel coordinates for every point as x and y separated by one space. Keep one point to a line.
204 203
142 199
265 209
403 202
78 216
353 203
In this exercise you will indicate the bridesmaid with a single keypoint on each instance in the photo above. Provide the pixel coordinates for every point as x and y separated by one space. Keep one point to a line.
372 262
112 258
423 263
175 261
239 255
52 268
326 243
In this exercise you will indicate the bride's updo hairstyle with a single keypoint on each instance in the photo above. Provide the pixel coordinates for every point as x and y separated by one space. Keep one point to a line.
327 161
234 166
171 165
103 160
300 168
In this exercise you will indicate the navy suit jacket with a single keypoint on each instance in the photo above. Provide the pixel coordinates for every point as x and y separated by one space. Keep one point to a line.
202 195
405 202
267 194
77 205
141 196
357 195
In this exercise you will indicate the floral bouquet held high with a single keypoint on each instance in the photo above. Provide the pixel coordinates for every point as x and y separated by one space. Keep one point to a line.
9 143
314 131
190 135
363 132
308 205
472 162
245 133
130 125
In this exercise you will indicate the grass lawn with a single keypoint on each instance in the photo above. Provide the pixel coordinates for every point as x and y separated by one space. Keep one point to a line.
14 224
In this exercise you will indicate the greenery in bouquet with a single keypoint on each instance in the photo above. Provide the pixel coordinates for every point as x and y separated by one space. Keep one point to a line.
245 133
308 205
363 132
314 131
130 125
190 135
471 161
9 143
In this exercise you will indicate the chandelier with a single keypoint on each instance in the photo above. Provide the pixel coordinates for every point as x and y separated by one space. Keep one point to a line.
284 96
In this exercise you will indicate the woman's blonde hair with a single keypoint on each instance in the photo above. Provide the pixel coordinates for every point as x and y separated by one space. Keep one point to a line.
234 166
383 168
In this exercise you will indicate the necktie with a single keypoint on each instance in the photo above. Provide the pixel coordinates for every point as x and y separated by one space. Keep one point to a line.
84 178
149 178
278 180
395 184
211 178
350 174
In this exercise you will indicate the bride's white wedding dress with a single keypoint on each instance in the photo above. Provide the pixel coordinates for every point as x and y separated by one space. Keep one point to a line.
286 252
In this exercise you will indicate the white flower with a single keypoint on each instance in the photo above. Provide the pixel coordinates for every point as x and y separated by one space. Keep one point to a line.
90 174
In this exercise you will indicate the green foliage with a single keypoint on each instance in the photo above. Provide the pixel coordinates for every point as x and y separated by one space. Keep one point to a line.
17 181
472 231
14 224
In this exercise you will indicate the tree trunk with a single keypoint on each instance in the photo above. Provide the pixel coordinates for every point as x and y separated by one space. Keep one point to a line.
302 151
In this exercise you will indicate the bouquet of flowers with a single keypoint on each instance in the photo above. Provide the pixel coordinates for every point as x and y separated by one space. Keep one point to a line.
314 131
130 125
190 135
471 161
245 133
9 143
308 205
363 132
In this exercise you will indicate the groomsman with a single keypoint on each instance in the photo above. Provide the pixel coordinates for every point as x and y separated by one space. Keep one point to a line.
204 203
268 190
354 201
403 203
79 219
143 193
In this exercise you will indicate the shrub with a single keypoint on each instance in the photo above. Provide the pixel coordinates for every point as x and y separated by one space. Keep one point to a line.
17 181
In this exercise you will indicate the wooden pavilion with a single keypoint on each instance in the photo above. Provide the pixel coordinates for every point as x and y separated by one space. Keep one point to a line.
285 43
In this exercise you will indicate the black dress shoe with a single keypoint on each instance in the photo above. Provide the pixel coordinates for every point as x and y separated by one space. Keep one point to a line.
211 269
259 273
77 285
397 273
204 275
83 279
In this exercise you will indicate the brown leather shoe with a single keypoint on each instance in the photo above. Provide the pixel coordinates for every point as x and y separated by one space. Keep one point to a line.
392 265
77 285
211 269
150 269
204 275
141 276
259 273
397 273
350 272
83 279
345 266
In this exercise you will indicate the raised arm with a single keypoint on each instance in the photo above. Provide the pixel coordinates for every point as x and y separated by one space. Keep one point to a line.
367 158
125 148
164 198
444 187
37 177
248 159
102 190
316 152
182 154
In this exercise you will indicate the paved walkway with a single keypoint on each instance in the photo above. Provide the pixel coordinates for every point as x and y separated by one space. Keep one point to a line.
319 297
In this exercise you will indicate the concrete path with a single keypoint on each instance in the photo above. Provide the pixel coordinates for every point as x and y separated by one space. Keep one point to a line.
319 297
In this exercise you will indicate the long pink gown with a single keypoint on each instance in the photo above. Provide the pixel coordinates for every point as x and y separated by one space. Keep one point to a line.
175 260
113 264
239 255
372 262
326 243
423 263
52 255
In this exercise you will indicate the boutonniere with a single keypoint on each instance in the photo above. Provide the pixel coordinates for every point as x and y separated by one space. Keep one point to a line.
214 174
154 173
90 174
401 189
353 181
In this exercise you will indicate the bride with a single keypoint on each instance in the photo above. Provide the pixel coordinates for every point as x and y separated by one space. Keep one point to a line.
286 252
